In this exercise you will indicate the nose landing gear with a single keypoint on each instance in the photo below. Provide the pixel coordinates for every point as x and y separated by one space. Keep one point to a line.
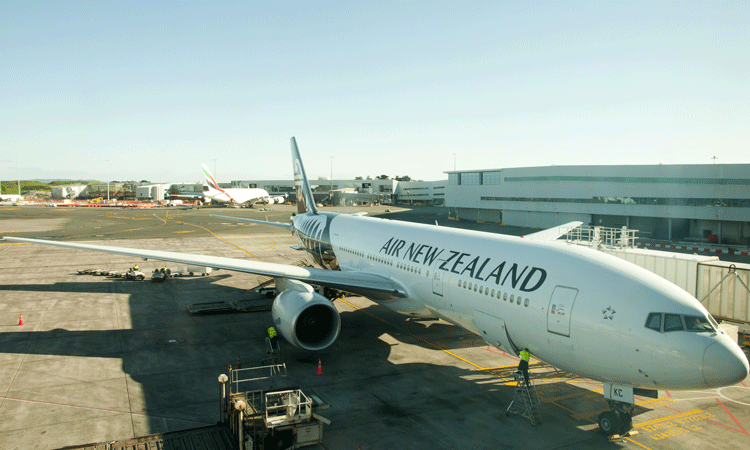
617 421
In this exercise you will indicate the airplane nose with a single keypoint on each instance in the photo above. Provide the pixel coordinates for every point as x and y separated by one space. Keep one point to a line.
724 365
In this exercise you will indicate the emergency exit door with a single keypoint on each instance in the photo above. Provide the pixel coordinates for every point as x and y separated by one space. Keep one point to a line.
560 310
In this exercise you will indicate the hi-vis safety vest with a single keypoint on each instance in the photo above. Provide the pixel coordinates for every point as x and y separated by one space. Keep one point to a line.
525 355
271 332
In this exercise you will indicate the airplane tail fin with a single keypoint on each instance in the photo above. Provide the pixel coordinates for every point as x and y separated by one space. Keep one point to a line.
210 178
305 199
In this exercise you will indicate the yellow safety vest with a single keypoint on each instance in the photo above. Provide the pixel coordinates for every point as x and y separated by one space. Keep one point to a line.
525 355
271 332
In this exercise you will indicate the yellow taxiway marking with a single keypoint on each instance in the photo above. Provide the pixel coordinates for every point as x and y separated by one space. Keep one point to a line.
664 419
114 216
132 229
638 444
166 217
230 243
497 367
185 231
16 243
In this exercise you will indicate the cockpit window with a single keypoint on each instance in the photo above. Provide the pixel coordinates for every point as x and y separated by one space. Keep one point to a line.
697 323
654 321
672 322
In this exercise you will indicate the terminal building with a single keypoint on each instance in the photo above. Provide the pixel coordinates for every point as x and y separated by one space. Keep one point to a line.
358 192
704 203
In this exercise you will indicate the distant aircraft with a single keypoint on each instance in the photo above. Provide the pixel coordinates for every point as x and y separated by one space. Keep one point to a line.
10 198
234 196
578 309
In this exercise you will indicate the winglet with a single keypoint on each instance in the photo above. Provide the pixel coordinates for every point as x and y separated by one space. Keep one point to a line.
305 199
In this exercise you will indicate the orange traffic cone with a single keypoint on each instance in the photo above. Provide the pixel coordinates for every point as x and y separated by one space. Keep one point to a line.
320 368
20 320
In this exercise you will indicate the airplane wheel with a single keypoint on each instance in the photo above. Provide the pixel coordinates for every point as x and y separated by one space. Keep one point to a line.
609 423
626 423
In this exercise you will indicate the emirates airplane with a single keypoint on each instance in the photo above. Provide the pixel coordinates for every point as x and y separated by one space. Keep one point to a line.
581 310
233 196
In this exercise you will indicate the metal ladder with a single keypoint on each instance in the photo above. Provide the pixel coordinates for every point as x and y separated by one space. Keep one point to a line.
525 401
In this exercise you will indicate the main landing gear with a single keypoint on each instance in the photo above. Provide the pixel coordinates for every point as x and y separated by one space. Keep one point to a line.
617 421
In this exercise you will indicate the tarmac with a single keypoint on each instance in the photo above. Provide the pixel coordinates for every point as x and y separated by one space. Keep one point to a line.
100 358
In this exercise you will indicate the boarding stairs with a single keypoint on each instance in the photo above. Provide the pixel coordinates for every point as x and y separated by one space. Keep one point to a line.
525 402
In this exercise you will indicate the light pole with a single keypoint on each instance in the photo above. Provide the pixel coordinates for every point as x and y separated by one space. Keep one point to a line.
107 181
454 162
330 191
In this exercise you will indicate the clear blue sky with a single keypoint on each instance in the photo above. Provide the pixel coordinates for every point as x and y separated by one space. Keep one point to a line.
150 90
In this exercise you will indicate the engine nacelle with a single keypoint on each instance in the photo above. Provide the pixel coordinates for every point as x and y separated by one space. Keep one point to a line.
269 200
305 318
278 200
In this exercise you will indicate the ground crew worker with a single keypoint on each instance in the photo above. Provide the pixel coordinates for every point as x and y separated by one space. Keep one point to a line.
135 268
523 365
272 336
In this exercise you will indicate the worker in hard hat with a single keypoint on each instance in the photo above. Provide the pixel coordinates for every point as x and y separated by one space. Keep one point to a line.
523 365
135 268
273 338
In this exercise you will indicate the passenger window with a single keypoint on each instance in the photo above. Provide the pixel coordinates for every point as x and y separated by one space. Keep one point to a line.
672 322
697 323
654 321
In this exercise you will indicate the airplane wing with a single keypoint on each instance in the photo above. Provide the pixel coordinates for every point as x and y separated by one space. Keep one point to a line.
369 285
286 226
553 233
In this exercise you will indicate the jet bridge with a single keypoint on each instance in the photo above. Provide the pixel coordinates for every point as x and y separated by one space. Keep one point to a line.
722 287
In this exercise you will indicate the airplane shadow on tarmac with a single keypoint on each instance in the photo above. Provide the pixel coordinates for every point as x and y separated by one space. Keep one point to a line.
382 391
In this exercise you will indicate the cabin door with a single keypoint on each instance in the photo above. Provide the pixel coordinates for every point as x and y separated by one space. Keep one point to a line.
560 310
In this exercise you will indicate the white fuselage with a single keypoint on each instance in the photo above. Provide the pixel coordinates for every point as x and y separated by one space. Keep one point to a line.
576 308
236 195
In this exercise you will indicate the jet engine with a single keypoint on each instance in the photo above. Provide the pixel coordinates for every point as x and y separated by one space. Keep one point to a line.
269 200
305 318
278 200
